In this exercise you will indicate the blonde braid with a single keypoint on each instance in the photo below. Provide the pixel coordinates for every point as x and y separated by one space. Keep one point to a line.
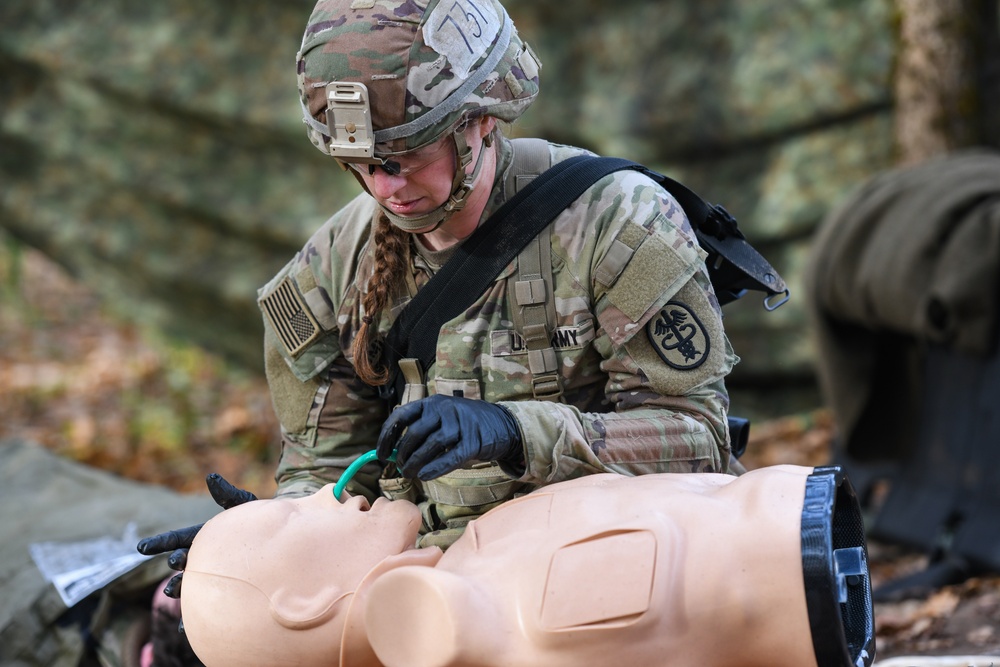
390 250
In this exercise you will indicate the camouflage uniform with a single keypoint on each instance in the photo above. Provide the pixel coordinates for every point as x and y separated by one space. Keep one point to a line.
637 330
627 406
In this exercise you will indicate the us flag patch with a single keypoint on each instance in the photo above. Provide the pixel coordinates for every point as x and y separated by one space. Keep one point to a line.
291 320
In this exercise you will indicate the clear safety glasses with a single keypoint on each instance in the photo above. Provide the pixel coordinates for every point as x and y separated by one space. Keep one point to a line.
408 164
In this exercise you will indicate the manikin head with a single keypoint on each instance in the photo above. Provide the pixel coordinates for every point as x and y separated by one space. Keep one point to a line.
287 570
592 571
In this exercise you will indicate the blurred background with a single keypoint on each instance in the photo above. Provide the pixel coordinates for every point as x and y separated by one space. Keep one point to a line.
154 172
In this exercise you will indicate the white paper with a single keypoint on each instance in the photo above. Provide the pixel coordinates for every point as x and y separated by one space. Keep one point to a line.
77 569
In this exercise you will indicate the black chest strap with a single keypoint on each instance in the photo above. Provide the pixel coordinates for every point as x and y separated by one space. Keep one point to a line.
734 266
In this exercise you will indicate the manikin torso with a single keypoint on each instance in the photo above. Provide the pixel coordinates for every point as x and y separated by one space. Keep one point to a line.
652 570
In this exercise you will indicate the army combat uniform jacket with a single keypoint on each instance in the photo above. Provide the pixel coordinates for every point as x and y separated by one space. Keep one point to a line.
640 351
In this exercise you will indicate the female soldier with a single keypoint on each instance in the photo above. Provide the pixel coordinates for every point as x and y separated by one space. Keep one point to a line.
599 349
407 96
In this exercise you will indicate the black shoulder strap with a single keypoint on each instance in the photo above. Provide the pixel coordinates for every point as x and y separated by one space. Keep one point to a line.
482 256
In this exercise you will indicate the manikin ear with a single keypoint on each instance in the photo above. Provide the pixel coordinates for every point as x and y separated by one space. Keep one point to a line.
299 609
425 617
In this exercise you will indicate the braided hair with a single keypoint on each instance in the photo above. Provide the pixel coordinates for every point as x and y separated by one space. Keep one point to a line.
390 246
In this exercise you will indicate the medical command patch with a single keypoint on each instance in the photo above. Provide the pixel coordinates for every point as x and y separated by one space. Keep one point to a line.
678 336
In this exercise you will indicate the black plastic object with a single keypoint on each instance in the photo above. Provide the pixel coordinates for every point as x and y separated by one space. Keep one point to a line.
734 266
739 435
945 497
835 570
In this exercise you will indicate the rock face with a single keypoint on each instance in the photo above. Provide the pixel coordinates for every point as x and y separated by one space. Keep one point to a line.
155 149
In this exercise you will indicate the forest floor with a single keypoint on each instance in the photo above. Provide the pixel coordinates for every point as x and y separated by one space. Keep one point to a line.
107 393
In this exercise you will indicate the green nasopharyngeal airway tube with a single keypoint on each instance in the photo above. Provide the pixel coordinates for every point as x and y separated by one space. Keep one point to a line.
352 470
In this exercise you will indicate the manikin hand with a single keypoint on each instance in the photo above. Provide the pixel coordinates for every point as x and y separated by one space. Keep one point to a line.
179 541
438 434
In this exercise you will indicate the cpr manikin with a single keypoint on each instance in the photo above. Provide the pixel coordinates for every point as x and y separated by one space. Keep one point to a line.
673 569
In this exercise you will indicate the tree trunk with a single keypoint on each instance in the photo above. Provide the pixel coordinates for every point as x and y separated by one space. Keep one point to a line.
947 85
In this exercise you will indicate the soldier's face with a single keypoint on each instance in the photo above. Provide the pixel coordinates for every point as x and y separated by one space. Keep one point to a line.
423 184
425 180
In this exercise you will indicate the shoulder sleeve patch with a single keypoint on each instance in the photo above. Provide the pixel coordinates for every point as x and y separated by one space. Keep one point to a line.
685 345
294 326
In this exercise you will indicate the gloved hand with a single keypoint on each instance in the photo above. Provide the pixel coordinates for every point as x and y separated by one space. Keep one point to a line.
179 541
438 434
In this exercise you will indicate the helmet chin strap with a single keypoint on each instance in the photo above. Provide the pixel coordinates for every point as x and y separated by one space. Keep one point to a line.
461 188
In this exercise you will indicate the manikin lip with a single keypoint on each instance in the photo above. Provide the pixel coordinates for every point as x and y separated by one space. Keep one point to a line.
360 502
364 505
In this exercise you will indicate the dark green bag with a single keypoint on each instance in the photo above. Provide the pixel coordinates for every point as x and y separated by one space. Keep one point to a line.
46 498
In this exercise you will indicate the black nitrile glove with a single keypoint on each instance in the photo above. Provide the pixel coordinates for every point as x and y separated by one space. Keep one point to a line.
179 541
438 434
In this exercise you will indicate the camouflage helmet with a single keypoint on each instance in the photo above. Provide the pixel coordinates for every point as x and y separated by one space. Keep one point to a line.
424 67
